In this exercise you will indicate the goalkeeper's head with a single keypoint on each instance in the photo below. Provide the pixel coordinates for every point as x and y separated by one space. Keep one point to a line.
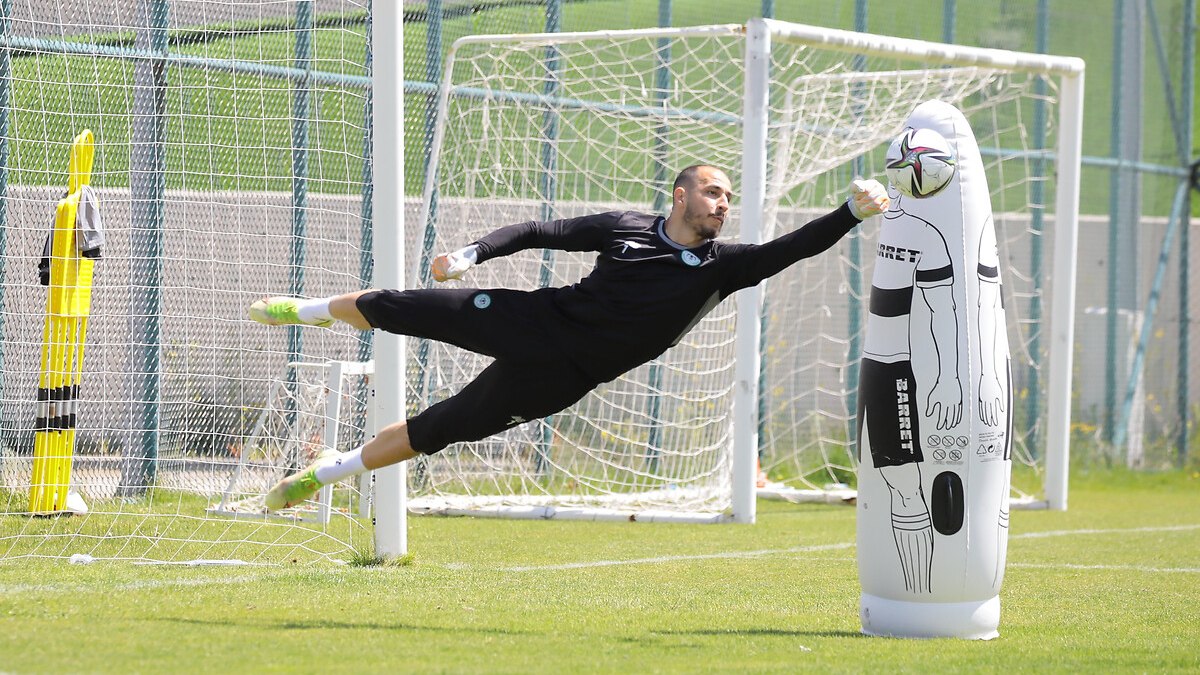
700 201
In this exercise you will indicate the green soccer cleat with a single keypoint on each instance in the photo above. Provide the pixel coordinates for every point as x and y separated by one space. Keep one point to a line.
281 311
298 487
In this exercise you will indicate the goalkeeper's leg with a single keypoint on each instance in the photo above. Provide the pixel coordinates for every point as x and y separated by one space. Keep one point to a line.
504 395
390 446
283 310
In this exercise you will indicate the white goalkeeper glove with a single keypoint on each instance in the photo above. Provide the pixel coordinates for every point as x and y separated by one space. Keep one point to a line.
449 266
867 198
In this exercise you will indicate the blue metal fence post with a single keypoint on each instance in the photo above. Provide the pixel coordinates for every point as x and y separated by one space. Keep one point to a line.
367 237
1110 366
1120 433
301 114
1179 203
433 73
5 106
550 117
662 86
854 329
763 423
1124 191
1037 191
949 18
1186 100
147 184
549 190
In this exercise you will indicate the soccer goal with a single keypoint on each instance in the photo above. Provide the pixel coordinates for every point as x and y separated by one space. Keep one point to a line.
537 127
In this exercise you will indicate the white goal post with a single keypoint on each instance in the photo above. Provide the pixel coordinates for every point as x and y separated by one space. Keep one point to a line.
541 126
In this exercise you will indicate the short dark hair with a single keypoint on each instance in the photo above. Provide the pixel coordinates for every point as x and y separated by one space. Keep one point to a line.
687 177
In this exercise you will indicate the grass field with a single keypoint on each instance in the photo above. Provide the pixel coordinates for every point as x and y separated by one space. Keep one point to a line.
1113 584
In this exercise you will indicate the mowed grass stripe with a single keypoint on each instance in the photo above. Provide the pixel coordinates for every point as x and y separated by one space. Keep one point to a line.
1104 587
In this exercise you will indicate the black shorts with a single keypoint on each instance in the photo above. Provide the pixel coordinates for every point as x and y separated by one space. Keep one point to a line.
530 378
887 407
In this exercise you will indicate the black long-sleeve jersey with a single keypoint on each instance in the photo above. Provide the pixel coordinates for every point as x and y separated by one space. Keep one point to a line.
646 291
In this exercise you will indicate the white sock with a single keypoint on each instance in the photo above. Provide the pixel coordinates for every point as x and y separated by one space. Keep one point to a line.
313 311
914 543
343 466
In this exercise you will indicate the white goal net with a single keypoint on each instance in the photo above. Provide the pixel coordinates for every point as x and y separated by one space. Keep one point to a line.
230 146
539 127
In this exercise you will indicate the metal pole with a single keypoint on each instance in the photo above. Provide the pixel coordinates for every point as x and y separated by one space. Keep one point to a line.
1037 196
5 106
301 112
764 333
662 84
147 184
1125 209
433 71
549 191
1186 100
749 300
854 308
433 67
1135 369
949 18
366 246
387 157
365 265
1062 298
1164 70
1114 215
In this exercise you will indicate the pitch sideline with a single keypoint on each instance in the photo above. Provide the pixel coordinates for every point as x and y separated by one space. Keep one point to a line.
846 545
18 589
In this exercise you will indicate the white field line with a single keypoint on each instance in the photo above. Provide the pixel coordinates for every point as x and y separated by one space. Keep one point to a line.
676 558
1130 530
20 589
1130 568
846 545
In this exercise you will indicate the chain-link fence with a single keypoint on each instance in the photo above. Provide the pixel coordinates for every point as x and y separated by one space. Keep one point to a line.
1134 389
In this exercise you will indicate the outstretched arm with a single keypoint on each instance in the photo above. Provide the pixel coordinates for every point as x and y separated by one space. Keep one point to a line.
757 262
585 233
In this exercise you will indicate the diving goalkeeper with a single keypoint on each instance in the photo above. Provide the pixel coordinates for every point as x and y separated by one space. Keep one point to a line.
654 279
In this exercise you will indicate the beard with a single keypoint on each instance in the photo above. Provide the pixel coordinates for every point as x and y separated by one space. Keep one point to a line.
698 219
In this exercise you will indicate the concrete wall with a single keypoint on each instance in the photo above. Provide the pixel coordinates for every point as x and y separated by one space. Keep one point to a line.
224 250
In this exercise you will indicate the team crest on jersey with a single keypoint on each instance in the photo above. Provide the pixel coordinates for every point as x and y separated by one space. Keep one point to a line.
482 301
690 259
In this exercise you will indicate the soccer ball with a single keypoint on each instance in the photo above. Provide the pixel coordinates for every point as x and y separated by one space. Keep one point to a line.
920 162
